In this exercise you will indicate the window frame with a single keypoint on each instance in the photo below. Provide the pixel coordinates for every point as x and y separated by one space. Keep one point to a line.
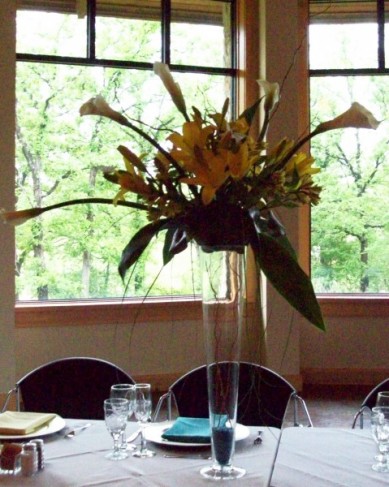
31 314
354 305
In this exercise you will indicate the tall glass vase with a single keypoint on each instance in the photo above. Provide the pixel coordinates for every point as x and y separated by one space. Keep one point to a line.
223 293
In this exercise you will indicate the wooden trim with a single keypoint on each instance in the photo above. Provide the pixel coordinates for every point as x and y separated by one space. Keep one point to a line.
354 305
85 313
344 376
248 55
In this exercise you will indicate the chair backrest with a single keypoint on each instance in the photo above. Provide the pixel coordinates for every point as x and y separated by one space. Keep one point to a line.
262 400
73 387
369 401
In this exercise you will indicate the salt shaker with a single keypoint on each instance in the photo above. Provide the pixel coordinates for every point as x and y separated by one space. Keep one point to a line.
40 451
29 459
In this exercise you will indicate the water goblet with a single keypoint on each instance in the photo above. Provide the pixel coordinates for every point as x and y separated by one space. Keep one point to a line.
125 391
382 399
142 411
380 432
115 415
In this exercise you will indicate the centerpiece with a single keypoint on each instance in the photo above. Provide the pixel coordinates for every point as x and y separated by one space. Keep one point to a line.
216 184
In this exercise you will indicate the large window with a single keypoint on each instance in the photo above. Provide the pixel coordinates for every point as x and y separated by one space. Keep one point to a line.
348 53
67 52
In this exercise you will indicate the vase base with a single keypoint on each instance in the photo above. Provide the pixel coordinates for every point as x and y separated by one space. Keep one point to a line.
217 472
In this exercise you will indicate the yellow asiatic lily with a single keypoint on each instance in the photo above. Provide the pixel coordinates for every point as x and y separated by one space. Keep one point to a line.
193 137
210 173
302 163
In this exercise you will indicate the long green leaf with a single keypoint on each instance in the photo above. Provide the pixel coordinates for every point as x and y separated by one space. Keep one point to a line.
287 277
175 242
137 245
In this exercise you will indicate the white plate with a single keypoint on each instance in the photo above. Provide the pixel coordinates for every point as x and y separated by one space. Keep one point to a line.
154 433
55 425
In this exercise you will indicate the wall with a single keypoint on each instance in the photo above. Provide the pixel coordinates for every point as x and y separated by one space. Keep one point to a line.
7 103
171 348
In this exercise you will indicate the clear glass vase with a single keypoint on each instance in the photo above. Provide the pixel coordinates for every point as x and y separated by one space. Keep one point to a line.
223 295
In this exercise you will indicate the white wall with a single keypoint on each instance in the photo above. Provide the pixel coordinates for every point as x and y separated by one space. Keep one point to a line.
166 347
7 292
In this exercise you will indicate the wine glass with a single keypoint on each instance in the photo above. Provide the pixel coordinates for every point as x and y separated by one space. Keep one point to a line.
142 411
382 399
380 432
115 415
125 391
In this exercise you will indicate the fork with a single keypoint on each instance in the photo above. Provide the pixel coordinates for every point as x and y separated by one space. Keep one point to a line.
76 431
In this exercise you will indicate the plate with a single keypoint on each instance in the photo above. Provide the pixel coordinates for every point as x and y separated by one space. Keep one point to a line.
154 433
55 425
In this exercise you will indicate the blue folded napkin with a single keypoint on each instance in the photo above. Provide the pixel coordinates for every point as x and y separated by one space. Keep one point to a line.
189 430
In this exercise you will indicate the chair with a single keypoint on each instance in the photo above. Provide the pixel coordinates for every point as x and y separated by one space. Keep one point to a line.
369 402
73 387
263 396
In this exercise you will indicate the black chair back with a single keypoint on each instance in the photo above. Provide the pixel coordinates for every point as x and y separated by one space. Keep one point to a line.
370 401
73 387
262 400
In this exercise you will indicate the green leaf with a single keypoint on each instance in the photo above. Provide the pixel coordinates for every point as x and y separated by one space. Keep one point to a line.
175 242
272 226
137 245
287 277
250 112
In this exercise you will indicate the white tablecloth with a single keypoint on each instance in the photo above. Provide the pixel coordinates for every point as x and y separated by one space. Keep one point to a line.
326 457
312 457
81 462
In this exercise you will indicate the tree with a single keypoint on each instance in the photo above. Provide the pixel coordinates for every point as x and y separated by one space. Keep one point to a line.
350 225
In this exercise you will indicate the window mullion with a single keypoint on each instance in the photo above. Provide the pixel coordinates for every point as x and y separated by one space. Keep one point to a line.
91 30
165 30
381 33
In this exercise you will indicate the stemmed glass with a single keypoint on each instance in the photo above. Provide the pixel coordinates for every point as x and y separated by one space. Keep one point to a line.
115 415
382 399
380 432
125 391
142 411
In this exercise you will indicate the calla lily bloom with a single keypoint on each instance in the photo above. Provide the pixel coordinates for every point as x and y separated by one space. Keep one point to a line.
98 106
173 88
20 217
356 116
272 94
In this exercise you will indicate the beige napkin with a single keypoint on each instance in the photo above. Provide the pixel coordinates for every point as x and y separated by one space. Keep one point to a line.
22 423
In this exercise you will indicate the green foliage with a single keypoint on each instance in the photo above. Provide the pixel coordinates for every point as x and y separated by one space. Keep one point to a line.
350 225
75 252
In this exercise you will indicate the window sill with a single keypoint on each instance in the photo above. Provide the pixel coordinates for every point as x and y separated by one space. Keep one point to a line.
354 305
103 312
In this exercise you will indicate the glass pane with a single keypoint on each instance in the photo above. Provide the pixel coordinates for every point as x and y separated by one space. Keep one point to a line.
201 33
74 252
342 46
128 30
59 33
350 225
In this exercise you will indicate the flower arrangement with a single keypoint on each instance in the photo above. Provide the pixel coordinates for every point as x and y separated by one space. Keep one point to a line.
217 185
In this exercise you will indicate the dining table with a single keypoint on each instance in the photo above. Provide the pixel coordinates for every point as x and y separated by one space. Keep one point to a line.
291 457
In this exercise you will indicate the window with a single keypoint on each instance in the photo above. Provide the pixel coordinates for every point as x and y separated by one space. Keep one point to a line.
67 52
350 227
243 66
